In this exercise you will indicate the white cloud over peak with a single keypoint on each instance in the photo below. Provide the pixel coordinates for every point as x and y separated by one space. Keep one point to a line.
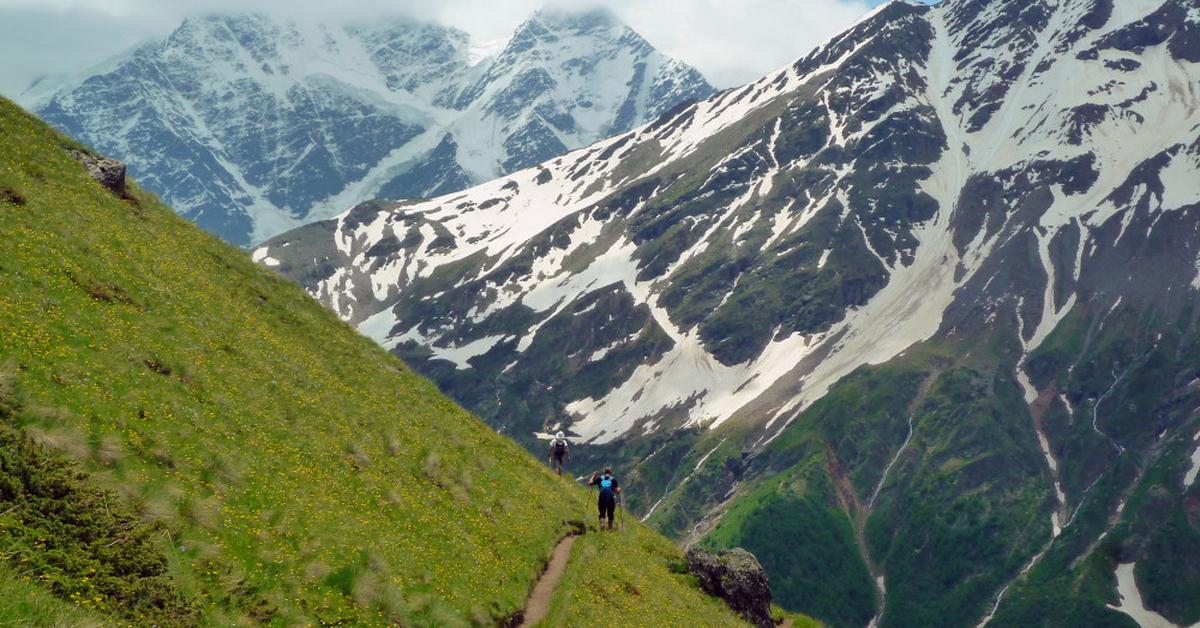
731 42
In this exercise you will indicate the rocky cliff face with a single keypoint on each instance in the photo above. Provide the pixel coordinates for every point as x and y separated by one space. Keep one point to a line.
251 125
913 319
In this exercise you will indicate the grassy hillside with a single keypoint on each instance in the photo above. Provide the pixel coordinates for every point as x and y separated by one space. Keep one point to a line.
23 603
279 467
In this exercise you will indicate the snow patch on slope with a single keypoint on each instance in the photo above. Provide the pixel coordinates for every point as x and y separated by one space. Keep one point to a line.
1189 477
1131 600
910 307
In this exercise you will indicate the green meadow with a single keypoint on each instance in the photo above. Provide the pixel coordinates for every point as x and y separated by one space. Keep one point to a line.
215 448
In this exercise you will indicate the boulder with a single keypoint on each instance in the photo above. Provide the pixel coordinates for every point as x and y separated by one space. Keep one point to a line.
736 577
110 173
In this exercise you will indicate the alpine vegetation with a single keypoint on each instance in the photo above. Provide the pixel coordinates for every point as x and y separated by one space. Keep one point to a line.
188 439
914 318
250 125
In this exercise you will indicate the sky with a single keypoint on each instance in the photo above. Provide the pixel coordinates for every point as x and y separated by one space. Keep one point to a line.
729 41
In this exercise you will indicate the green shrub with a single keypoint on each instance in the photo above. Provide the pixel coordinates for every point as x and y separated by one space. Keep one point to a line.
59 529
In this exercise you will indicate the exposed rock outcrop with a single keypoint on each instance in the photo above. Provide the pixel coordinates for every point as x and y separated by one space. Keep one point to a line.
736 577
110 173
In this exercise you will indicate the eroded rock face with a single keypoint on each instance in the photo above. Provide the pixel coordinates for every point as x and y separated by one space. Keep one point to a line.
736 577
243 130
110 173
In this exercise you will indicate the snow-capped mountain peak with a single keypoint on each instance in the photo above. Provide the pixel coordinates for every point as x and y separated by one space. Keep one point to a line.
251 124
938 86
486 50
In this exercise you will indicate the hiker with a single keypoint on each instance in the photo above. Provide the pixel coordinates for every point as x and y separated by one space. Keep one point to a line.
610 493
559 450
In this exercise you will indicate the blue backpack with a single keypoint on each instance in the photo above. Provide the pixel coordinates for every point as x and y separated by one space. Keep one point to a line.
606 486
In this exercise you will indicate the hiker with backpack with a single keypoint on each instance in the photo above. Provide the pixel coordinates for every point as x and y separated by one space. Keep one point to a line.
559 451
610 493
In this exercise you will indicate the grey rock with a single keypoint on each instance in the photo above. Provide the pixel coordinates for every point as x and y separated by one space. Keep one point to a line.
736 577
109 173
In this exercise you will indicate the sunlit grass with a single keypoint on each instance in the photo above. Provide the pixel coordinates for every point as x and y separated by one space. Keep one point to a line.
302 473
24 604
624 578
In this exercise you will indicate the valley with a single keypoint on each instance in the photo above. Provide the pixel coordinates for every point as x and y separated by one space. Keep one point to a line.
979 205
914 319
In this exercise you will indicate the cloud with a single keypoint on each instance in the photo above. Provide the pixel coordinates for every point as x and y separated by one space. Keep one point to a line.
736 42
730 42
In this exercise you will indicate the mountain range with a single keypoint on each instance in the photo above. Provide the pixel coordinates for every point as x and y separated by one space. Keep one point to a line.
250 125
914 318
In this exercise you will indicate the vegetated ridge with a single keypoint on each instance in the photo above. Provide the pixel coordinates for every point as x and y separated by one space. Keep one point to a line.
189 438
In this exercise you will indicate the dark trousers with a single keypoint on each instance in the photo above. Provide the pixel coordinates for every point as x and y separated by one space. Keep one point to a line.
608 505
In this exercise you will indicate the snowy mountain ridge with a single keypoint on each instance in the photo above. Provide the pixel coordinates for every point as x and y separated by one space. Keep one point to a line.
250 124
986 210
494 219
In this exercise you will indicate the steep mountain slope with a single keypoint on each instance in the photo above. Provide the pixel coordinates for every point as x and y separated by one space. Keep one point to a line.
250 125
220 441
927 295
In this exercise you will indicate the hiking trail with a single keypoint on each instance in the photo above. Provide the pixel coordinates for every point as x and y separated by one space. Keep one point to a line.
538 604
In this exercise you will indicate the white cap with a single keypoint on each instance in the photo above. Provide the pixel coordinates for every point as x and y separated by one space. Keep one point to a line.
559 436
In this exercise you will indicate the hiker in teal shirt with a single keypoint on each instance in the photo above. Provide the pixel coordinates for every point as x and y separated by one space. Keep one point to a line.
610 492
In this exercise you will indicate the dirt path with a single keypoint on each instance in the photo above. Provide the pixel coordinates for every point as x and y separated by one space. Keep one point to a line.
538 604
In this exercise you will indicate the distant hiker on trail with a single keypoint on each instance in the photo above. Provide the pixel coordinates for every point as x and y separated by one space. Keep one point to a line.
559 451
610 493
